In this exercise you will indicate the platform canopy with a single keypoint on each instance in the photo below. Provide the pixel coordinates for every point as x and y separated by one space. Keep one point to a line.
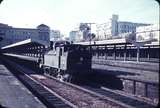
26 42
121 41
29 47
104 42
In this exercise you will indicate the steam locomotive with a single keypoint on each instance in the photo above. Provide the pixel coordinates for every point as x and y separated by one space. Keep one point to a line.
67 61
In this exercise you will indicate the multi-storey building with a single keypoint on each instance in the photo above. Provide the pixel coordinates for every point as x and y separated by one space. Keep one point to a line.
55 35
82 33
85 29
12 35
103 30
148 32
43 32
114 28
73 35
3 29
79 37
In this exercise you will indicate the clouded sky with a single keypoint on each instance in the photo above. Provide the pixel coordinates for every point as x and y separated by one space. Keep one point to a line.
66 14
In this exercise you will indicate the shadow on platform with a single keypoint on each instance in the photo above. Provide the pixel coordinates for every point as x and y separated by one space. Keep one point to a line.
108 79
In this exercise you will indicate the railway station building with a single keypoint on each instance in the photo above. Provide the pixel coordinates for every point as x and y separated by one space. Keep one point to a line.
12 35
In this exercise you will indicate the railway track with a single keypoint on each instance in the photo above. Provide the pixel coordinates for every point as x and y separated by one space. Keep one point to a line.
54 93
121 97
44 94
118 97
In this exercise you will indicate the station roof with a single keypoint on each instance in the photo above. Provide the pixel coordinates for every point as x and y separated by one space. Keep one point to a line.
27 42
104 42
120 42
22 57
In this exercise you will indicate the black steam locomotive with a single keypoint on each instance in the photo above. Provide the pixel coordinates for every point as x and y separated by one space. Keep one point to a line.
67 61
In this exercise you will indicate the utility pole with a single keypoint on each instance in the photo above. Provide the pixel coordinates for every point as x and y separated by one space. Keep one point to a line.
90 35
90 24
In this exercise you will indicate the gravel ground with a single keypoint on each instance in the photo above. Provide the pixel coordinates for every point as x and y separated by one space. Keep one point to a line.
78 97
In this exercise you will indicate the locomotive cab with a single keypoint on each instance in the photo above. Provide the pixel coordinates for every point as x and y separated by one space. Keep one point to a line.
79 59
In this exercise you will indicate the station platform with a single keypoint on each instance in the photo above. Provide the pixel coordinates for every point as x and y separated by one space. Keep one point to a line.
128 73
140 79
142 71
13 94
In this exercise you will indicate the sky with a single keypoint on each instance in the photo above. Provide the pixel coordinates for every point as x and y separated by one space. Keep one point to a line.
64 15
